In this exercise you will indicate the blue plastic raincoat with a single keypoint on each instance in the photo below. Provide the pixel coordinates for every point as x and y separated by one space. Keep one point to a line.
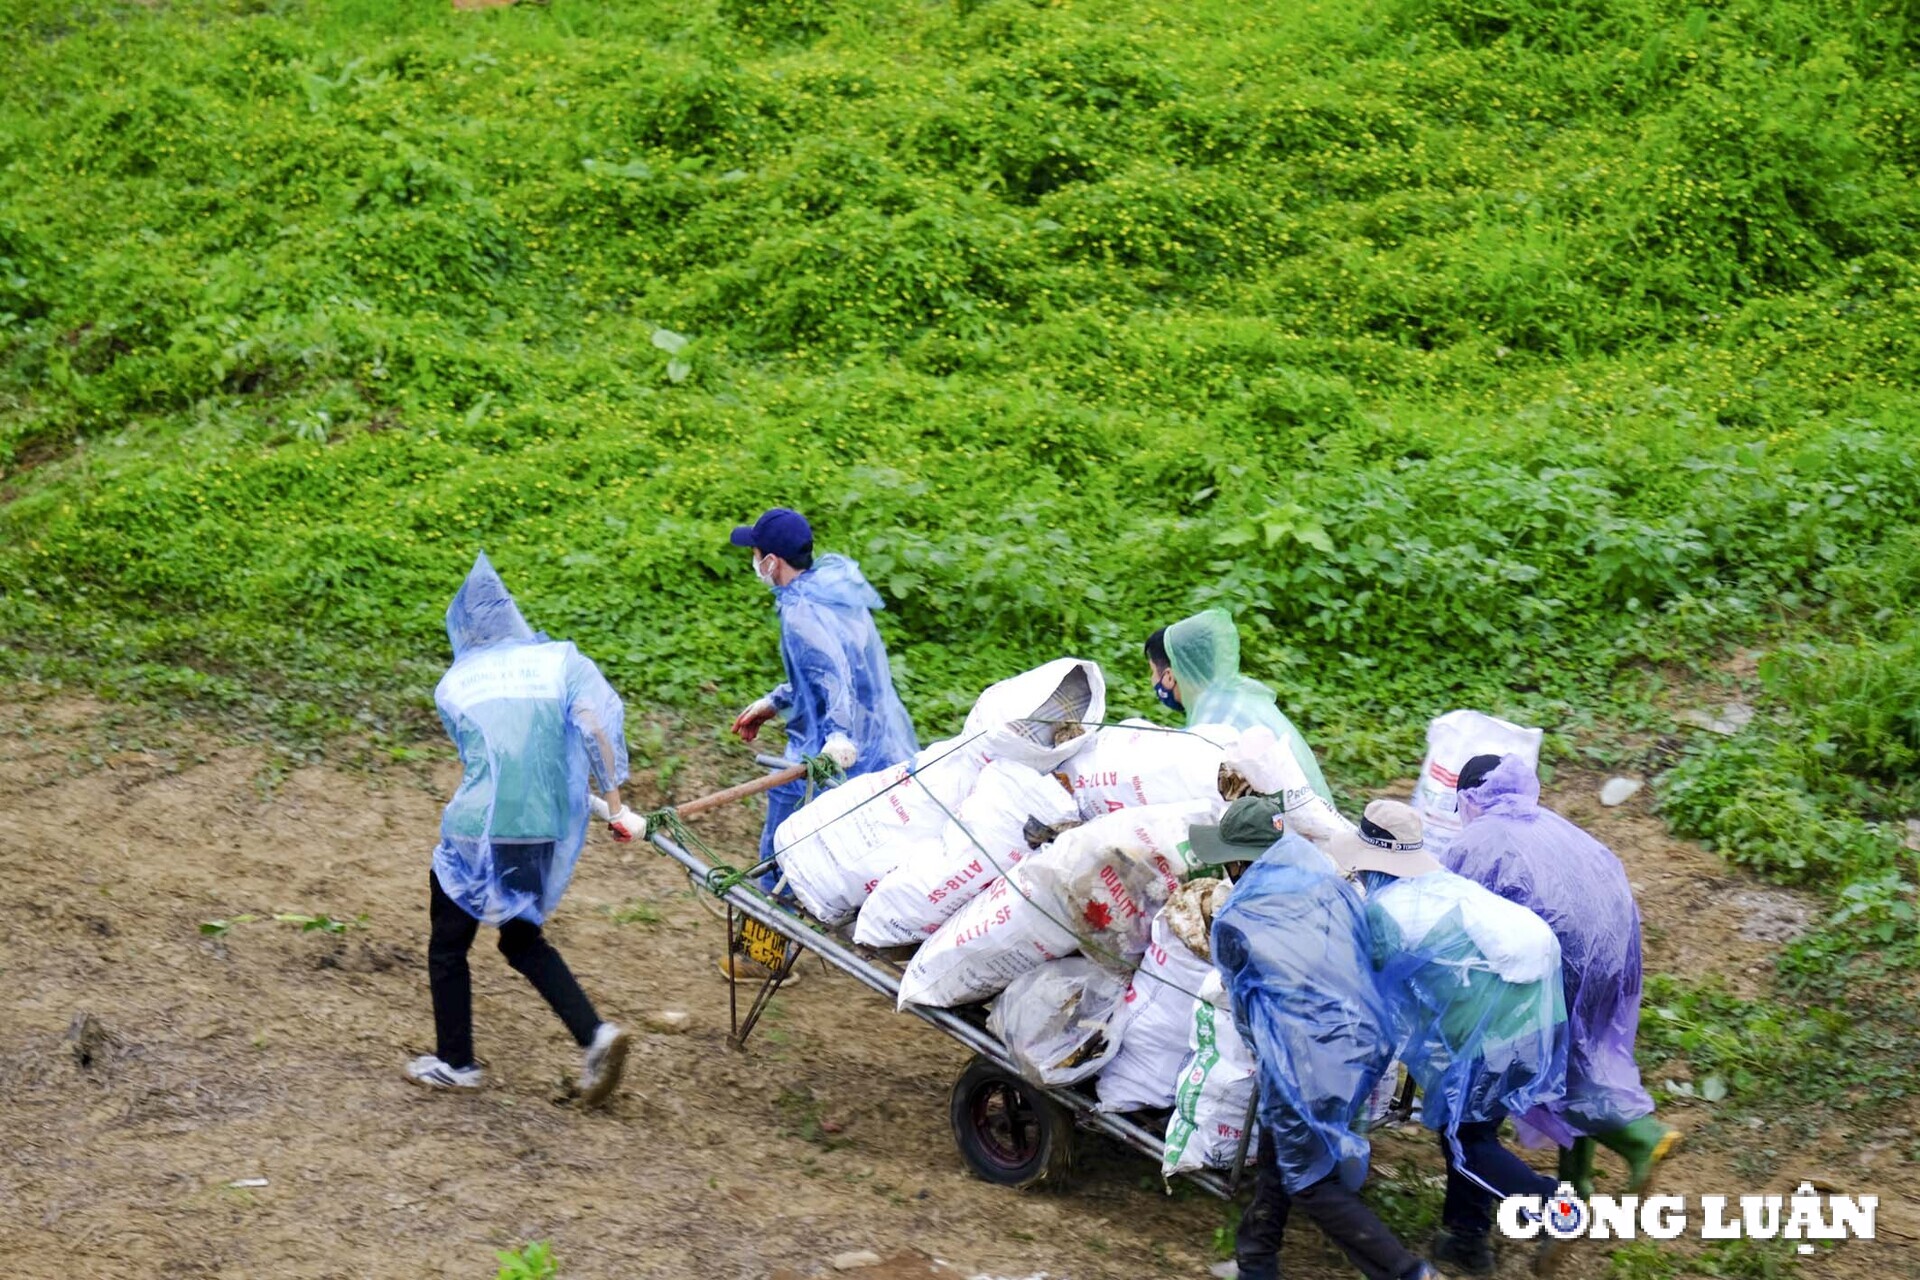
838 680
1473 985
1535 857
1294 949
1204 652
534 721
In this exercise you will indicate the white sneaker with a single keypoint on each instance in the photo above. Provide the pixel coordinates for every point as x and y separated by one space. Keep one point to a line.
434 1074
602 1064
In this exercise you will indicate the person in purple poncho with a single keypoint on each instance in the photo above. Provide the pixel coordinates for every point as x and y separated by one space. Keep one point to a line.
1534 857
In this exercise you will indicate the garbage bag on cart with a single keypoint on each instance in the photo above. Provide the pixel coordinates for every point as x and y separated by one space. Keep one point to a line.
1137 763
835 849
1295 949
1473 984
986 838
1215 1090
1063 1021
1452 740
1040 718
1160 1000
1092 894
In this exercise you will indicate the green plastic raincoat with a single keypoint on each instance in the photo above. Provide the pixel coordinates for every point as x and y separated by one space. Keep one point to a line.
1205 653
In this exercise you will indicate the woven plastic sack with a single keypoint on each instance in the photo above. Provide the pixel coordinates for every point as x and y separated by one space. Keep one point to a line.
1160 999
1452 740
1061 1022
1135 764
836 849
985 840
1213 1098
988 943
1038 718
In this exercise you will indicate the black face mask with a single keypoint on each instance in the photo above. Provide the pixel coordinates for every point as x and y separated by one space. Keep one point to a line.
1167 699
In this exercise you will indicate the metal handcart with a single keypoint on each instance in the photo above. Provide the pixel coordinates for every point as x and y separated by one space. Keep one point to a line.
1009 1130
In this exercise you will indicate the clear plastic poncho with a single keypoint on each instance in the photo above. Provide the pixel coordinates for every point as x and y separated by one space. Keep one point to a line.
1295 951
534 722
1204 651
1473 984
1536 858
838 680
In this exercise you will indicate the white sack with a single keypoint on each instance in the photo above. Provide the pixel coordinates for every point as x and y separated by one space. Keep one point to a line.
1020 718
1156 833
1133 764
986 839
1214 1092
1063 1021
1160 1001
1452 740
985 945
837 848
1272 769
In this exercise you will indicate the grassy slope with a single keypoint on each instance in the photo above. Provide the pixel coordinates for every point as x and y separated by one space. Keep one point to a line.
1491 353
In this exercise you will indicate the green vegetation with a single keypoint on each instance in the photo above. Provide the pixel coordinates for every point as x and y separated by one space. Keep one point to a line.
1506 353
534 1262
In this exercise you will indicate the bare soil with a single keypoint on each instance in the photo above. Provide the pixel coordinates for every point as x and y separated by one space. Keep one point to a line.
147 1068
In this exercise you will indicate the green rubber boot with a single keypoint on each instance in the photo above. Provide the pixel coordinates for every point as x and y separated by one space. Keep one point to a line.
1576 1166
1643 1145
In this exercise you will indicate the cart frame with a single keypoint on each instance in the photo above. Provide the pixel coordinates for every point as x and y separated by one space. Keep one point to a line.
802 934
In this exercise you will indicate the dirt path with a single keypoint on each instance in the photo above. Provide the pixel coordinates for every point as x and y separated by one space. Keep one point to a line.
268 1052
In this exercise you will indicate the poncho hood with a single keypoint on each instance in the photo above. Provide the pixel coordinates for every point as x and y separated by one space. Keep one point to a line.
483 612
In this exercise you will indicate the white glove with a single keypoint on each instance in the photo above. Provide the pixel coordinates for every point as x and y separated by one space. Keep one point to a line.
840 750
626 825
599 809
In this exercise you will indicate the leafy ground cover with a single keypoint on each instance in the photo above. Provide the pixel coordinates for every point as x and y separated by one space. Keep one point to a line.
1508 353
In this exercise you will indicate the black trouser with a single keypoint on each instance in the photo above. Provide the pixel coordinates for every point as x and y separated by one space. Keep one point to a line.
526 949
1481 1171
1334 1209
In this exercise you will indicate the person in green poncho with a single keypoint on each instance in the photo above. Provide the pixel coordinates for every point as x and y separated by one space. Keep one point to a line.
1196 669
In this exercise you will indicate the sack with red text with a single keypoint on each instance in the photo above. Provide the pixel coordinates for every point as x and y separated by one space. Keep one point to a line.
835 849
986 839
999 935
1133 764
1159 1001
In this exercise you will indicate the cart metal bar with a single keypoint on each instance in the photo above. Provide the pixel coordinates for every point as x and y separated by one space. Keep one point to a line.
841 957
775 763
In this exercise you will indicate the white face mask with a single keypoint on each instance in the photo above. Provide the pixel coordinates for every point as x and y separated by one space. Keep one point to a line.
763 570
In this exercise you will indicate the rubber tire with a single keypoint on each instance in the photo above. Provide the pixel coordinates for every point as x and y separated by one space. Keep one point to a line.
1009 1133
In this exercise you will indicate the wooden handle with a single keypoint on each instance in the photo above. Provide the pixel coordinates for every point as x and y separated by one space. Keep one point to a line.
792 773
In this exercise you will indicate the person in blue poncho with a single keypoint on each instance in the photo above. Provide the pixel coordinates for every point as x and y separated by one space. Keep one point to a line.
838 696
1196 671
1294 950
535 723
1472 982
1531 855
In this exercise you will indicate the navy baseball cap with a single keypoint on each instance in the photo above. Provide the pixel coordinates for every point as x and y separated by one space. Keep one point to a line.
780 531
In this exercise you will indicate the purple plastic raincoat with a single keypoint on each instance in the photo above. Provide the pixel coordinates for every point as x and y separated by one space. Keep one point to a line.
1536 858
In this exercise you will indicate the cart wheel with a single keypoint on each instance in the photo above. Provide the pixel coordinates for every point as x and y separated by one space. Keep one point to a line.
1009 1132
